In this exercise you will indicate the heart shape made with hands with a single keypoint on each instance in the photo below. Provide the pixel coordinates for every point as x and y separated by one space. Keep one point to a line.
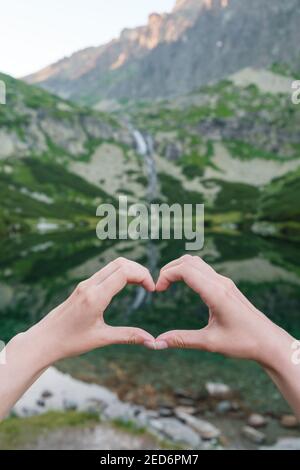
235 327
193 271
190 269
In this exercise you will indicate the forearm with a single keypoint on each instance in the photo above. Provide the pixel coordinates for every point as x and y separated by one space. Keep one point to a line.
27 356
283 369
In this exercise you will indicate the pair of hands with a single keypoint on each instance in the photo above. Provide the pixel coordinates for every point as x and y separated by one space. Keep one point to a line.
235 327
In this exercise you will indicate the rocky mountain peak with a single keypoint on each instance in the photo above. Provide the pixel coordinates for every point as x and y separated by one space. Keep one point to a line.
216 3
182 5
198 42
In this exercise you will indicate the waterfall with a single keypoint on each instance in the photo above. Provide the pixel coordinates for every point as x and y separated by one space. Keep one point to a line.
144 145
145 149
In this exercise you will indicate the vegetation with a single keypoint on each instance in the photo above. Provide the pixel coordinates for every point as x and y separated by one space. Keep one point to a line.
17 432
280 201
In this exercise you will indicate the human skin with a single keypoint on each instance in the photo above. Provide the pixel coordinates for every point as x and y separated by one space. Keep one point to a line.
235 327
74 327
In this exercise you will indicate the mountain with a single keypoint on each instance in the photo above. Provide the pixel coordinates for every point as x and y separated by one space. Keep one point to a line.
96 66
237 144
198 42
234 146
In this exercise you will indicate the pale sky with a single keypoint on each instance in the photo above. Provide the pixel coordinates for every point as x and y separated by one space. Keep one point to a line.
35 33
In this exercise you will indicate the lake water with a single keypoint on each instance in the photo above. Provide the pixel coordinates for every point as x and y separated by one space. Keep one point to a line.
38 271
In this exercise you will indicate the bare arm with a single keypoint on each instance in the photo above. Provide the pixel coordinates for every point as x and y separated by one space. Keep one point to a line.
74 327
235 327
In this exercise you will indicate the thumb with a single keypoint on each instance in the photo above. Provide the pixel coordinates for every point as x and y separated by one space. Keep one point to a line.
183 339
128 335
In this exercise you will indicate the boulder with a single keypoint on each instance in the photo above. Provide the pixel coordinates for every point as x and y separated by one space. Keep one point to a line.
286 443
289 421
205 429
165 412
185 401
218 390
69 405
176 431
119 411
224 406
256 420
190 410
257 437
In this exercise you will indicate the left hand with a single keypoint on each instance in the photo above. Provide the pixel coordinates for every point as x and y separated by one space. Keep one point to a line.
78 326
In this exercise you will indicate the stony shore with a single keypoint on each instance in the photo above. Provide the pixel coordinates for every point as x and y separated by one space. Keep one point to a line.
183 425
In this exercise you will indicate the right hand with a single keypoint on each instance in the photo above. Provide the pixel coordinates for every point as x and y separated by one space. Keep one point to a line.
235 327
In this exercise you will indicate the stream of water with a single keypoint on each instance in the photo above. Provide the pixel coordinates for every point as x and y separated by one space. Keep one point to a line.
144 145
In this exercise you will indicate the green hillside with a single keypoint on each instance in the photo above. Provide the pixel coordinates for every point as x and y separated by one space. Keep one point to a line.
234 148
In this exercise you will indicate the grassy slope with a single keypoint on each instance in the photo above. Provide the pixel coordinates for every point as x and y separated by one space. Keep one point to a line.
34 185
192 120
16 432
250 124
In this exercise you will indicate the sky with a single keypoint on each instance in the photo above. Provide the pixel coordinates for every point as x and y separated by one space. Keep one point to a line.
35 33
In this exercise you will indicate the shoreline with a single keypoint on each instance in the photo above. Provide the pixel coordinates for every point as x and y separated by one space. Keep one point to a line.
182 426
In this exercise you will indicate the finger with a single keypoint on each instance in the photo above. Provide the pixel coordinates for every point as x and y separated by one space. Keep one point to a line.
195 261
184 339
175 262
128 335
114 283
120 262
226 282
193 277
104 272
209 272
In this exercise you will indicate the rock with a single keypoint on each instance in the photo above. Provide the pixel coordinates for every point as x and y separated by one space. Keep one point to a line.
92 406
257 437
235 406
224 406
47 394
218 390
69 405
204 428
26 412
40 403
285 443
174 430
289 421
143 419
181 393
152 414
190 410
165 412
185 401
256 420
120 411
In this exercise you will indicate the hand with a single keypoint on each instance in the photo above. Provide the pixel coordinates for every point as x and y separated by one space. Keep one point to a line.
235 327
77 325
74 327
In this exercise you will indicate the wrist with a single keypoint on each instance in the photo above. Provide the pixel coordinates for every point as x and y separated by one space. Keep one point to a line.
38 347
276 349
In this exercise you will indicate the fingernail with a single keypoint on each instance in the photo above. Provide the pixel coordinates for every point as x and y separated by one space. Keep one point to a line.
150 344
161 344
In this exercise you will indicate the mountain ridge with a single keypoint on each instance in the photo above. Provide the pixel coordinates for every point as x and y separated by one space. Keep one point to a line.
167 56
